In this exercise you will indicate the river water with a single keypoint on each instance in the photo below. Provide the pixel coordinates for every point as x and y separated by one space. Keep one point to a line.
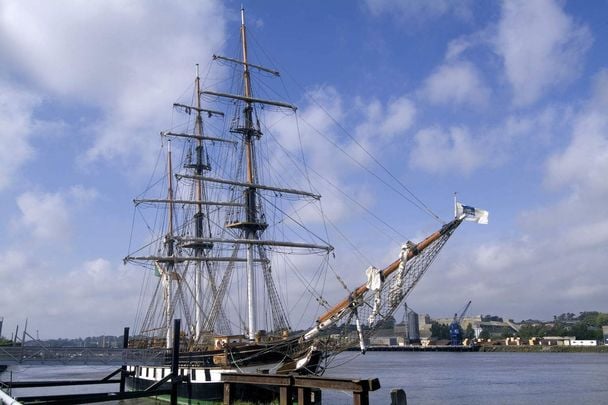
481 378
431 377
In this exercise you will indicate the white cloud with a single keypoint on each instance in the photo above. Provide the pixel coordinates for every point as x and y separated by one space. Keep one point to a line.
464 150
45 215
421 9
583 165
556 256
87 300
459 46
541 46
399 117
456 83
48 216
129 61
379 125
16 129
439 151
374 126
316 126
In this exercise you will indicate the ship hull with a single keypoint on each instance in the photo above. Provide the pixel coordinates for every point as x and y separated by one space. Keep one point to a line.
205 383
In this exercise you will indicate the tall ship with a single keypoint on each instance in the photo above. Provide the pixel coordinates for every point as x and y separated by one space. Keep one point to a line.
234 247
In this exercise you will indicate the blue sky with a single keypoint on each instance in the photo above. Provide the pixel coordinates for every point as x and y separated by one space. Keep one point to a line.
503 102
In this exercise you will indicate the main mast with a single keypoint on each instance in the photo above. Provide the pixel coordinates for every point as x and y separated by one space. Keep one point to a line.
250 221
252 224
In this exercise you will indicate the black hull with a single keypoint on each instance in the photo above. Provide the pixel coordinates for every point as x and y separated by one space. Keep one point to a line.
203 377
210 392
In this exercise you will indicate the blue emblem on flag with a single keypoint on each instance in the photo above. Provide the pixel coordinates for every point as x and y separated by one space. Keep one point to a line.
468 210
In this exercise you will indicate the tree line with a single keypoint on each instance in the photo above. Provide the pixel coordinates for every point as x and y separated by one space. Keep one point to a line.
586 326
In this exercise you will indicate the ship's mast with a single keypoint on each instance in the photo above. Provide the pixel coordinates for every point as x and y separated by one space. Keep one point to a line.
169 245
250 208
198 217
251 225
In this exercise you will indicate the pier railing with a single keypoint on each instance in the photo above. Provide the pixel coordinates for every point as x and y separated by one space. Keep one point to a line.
34 355
38 355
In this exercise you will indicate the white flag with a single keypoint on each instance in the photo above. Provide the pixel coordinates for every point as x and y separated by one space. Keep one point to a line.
472 213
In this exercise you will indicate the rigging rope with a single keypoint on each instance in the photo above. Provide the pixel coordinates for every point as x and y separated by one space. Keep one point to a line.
417 202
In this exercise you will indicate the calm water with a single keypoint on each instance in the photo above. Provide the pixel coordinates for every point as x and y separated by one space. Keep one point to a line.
438 378
482 378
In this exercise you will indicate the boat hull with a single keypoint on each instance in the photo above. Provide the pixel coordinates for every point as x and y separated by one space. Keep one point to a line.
204 383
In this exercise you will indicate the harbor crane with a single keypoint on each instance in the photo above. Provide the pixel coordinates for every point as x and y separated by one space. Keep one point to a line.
455 330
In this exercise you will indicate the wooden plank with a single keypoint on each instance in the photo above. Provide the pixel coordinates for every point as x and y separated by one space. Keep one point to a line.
56 383
338 383
259 379
90 398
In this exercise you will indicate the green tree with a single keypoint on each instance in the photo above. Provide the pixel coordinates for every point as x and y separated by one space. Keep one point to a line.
440 331
484 334
558 329
584 332
5 342
530 331
506 332
469 333
593 318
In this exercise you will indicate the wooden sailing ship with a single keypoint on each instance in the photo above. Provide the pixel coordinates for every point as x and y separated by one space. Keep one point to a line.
212 258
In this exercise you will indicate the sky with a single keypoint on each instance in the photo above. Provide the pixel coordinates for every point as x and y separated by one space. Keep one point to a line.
501 102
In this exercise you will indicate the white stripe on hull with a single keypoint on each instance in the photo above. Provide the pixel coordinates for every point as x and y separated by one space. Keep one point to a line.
198 375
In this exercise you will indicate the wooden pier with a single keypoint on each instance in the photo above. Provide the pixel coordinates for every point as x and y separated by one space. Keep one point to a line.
301 387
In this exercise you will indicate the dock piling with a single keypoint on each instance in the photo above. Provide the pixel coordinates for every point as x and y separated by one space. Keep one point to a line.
398 397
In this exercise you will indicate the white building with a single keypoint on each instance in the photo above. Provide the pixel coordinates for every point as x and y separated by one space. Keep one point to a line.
583 343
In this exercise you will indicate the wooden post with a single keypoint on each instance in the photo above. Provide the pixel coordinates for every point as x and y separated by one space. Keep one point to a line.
228 393
360 398
304 395
285 395
123 368
175 362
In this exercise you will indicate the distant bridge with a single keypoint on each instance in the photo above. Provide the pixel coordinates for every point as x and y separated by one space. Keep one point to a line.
78 356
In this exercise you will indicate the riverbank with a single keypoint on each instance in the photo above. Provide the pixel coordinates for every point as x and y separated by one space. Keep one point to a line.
545 349
489 349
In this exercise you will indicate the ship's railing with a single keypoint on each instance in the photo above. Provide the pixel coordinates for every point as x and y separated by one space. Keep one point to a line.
38 355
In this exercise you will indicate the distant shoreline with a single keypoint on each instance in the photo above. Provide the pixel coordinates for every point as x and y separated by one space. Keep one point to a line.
545 349
489 349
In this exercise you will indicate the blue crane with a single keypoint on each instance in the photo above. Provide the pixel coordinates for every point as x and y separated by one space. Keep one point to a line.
455 330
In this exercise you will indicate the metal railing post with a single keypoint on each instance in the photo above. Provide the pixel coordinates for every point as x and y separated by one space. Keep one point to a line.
123 368
175 361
